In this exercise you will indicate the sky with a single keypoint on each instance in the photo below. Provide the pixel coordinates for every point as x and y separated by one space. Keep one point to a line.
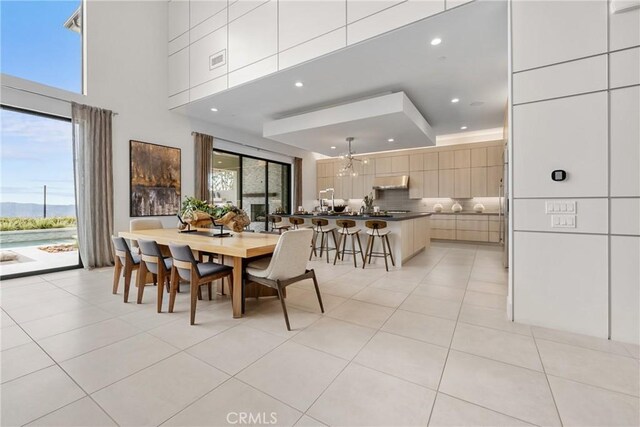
37 151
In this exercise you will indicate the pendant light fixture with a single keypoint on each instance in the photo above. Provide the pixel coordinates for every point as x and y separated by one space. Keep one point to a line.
348 167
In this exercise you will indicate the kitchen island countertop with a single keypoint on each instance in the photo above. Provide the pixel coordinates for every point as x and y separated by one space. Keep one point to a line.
392 217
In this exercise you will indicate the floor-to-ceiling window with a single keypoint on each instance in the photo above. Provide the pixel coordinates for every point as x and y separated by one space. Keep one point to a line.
37 194
258 186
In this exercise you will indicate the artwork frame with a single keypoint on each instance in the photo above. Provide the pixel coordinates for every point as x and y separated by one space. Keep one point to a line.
155 179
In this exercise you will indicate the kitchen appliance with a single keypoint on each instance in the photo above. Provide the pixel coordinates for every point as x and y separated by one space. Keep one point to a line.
398 182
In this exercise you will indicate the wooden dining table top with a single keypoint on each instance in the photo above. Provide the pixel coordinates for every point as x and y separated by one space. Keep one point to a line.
241 245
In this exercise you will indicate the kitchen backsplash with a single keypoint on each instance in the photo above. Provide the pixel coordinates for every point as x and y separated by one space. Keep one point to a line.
399 200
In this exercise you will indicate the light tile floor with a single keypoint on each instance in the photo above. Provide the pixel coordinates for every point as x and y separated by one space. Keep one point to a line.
428 344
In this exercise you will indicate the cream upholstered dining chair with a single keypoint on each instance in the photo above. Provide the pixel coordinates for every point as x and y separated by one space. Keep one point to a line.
143 224
288 265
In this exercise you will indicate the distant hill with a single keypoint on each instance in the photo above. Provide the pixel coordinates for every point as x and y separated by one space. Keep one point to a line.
34 210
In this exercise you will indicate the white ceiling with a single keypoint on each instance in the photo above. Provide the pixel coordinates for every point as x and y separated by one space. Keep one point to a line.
469 64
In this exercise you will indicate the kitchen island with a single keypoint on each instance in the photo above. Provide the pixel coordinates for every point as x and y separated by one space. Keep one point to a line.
409 234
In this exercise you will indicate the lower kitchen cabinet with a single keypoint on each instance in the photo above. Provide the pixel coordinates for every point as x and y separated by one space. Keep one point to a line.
466 227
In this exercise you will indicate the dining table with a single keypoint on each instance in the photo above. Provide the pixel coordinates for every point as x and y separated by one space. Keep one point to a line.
235 246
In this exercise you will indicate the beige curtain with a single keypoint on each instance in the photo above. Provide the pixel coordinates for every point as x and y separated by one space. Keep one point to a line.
93 176
297 182
204 151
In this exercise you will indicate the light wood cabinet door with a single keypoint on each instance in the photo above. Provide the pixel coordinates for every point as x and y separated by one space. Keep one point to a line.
383 165
494 155
416 162
479 182
462 183
462 159
494 177
430 161
478 157
406 231
369 166
357 187
445 160
430 185
416 184
445 183
324 183
367 183
400 164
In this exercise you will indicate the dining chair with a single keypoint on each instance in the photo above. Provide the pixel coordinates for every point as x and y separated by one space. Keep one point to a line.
124 259
152 261
137 224
186 267
287 266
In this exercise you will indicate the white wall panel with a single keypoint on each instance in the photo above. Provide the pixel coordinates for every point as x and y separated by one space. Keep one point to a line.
179 72
254 71
178 18
208 88
201 69
200 10
625 216
178 99
358 9
569 78
302 20
313 48
625 142
179 43
591 216
561 281
254 36
624 29
208 26
241 7
547 32
625 289
625 68
567 133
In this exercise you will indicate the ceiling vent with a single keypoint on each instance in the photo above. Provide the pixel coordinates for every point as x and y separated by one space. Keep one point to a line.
218 59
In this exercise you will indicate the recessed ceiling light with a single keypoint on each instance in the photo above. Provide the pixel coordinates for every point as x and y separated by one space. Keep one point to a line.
436 41
299 84
219 162
333 147
390 140
454 100
214 109
463 127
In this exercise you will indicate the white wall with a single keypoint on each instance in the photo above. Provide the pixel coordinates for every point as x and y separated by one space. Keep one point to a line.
127 73
576 71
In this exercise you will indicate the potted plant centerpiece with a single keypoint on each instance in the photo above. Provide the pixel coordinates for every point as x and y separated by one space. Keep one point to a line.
199 213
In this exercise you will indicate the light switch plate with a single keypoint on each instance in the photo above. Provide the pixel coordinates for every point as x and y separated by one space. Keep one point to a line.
563 221
560 206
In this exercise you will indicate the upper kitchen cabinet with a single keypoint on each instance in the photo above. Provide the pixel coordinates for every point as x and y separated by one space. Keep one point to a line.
201 10
400 164
478 157
572 29
430 161
495 155
445 160
462 183
462 159
358 9
253 36
302 20
179 72
383 165
416 162
208 57
178 18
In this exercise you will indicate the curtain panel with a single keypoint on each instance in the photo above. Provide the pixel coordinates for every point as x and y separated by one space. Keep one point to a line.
203 153
93 176
297 182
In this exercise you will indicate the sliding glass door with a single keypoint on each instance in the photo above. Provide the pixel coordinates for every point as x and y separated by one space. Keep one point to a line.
258 186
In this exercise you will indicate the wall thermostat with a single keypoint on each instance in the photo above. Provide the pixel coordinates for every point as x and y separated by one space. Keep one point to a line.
558 175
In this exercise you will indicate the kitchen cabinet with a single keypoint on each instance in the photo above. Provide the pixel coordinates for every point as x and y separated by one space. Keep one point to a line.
208 57
358 9
416 184
478 157
253 36
325 182
479 182
201 10
400 164
445 160
462 183
430 184
342 187
407 233
416 163
367 183
179 72
494 155
494 180
422 234
445 183
462 159
301 21
357 187
430 161
383 165
368 168
311 49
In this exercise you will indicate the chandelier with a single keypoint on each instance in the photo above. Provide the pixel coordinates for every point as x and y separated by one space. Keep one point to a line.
348 168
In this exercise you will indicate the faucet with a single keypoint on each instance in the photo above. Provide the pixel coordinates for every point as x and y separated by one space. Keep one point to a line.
325 191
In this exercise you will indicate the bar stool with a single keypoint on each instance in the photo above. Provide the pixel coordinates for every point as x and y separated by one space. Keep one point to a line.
296 222
375 229
321 227
277 224
346 228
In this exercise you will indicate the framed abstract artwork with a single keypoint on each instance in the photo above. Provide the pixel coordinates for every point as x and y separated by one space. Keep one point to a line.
155 187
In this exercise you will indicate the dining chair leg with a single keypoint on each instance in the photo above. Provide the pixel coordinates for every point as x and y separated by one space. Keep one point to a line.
142 275
284 306
117 271
384 251
161 282
386 238
360 247
315 285
199 293
230 280
209 287
195 288
175 284
168 283
335 258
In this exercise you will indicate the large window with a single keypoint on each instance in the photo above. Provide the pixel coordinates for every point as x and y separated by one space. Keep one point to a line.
37 194
258 186
41 41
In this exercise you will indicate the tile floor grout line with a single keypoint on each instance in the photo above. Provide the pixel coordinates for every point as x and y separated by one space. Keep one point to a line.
544 371
594 386
582 347
484 407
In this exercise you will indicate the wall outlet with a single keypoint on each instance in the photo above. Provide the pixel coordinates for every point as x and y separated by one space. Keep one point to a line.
560 206
563 221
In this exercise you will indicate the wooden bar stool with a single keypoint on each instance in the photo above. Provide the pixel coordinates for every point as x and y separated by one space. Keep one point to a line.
321 228
376 229
277 224
296 222
126 260
346 228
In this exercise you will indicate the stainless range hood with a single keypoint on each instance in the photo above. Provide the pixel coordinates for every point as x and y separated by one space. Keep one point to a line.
399 182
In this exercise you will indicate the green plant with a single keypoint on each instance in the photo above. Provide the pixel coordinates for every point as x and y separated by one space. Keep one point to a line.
19 223
368 202
192 204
